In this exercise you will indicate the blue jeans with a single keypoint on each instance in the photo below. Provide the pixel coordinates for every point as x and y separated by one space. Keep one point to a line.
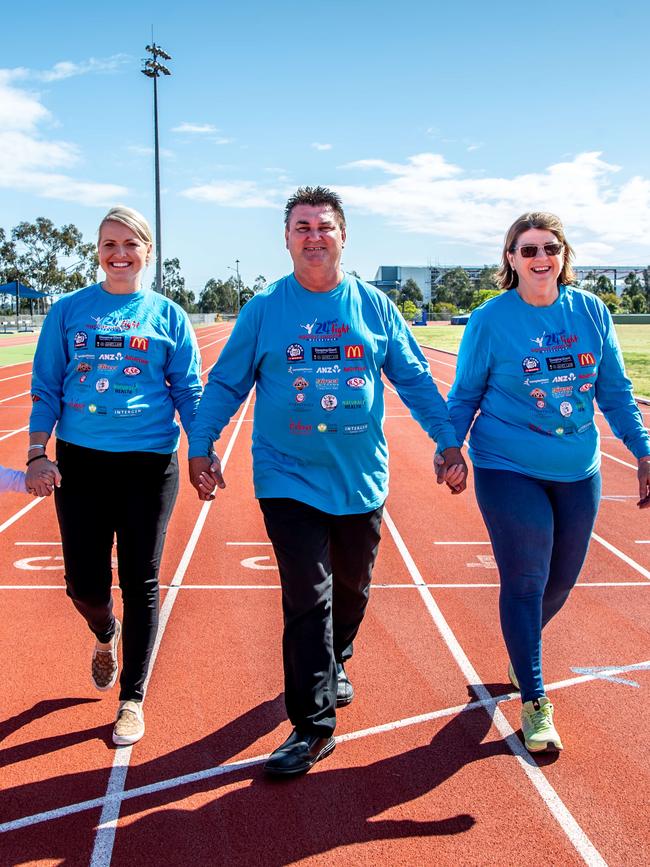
540 532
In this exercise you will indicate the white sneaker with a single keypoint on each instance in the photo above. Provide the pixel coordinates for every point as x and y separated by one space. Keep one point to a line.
129 724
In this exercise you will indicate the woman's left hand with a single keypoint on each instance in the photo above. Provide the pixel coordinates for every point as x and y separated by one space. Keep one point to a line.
643 474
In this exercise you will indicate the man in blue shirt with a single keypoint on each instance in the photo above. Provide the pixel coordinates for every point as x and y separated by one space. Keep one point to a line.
315 345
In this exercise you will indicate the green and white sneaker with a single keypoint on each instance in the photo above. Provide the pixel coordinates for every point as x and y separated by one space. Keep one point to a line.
537 726
512 677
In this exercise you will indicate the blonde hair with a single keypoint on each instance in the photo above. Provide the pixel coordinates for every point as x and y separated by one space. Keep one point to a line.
131 218
506 277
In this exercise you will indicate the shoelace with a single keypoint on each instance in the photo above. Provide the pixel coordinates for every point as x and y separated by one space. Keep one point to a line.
542 717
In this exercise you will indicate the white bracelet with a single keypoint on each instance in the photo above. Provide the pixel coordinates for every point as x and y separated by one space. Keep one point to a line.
37 446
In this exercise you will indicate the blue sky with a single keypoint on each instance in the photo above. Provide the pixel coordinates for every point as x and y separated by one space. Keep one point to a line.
438 124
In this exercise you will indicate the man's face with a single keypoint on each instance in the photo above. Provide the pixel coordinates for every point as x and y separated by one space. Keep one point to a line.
314 237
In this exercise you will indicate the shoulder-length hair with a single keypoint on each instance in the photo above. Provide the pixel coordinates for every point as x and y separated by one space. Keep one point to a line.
506 277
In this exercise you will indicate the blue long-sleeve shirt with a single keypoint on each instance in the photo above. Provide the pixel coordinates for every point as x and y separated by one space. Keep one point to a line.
533 374
316 360
12 480
111 370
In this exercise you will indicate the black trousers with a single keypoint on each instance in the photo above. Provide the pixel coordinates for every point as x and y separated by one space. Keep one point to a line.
130 496
325 564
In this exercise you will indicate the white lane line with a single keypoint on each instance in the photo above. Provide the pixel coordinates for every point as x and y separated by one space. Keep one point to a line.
220 340
630 562
556 806
642 541
19 514
231 767
619 461
14 396
107 827
461 543
248 543
16 376
14 432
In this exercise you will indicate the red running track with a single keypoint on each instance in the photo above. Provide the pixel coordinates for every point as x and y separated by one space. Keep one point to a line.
429 765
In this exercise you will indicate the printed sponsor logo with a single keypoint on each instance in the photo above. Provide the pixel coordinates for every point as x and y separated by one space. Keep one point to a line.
137 358
102 385
124 388
327 428
84 367
107 367
354 350
295 352
78 407
537 429
355 428
564 377
109 341
79 355
530 364
326 353
139 343
132 371
328 330
297 427
563 391
560 362
300 397
586 359
540 404
565 408
92 408
126 411
354 367
329 368
327 384
300 382
586 375
584 427
559 431
538 394
83 377
111 356
538 379
80 340
111 322
293 369
35 398
356 382
586 386
554 340
354 404
328 402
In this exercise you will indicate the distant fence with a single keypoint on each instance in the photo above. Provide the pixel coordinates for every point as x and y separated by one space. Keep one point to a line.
631 318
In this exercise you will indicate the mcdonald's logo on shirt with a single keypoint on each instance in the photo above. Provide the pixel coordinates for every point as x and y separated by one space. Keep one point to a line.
354 350
140 343
586 359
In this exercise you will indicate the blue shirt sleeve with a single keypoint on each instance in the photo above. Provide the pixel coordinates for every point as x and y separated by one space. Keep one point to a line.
183 371
12 480
230 380
472 371
50 362
407 368
614 394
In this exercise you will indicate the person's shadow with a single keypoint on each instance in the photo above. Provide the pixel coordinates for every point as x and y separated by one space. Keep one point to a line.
250 819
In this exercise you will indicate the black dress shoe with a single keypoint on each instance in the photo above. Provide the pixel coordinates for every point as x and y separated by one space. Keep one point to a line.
344 689
298 753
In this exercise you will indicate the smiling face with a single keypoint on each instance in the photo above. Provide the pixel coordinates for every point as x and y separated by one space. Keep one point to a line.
538 275
123 256
315 240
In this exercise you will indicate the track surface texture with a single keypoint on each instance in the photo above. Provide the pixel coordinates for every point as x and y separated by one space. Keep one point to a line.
429 766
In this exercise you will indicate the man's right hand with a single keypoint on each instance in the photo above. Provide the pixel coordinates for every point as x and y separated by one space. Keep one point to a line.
205 476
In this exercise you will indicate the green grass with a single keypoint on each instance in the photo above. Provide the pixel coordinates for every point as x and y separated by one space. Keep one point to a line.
634 340
15 354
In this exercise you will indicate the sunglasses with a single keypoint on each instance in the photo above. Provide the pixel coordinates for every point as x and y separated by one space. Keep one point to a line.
528 251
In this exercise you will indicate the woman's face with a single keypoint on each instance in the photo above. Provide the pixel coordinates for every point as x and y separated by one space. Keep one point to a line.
122 254
537 273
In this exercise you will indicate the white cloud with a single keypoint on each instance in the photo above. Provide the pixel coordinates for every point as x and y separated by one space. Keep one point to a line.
28 160
195 128
234 194
67 69
142 151
474 147
317 146
223 141
428 195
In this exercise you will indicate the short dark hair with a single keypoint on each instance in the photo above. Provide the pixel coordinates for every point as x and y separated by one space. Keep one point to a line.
315 196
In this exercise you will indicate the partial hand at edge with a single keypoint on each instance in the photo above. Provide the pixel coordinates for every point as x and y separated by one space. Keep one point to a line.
643 474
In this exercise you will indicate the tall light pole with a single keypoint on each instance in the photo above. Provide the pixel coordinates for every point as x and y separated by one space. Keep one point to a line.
152 69
236 270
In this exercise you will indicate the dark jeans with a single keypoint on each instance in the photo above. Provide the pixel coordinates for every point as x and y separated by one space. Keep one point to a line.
540 532
129 495
325 564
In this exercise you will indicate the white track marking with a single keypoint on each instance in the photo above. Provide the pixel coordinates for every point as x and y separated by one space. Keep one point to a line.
630 562
14 432
19 514
231 767
642 541
619 461
107 826
16 376
375 586
14 396
562 815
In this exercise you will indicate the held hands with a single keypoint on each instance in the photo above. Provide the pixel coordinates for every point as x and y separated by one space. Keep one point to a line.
643 474
205 476
42 477
451 469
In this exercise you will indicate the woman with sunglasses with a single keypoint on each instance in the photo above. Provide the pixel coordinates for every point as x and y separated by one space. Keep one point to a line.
532 361
114 363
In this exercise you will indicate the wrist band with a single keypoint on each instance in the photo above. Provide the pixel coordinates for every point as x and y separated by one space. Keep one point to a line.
36 446
36 458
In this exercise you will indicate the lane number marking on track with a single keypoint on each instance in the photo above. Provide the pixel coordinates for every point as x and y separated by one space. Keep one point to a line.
485 561
256 563
27 563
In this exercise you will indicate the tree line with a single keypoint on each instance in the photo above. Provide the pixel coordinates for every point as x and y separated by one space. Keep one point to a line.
57 260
